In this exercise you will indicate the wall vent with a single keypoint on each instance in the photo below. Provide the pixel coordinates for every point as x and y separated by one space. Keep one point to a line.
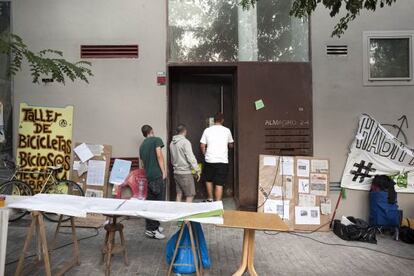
337 50
109 51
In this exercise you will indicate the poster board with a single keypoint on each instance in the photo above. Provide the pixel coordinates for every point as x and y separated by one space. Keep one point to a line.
44 139
100 153
279 191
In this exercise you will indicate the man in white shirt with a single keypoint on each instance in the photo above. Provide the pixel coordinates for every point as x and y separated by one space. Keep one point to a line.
215 144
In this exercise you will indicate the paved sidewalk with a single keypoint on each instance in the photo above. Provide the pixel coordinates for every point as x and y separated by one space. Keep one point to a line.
282 254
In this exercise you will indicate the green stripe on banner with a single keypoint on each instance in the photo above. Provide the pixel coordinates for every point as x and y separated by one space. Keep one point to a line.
214 213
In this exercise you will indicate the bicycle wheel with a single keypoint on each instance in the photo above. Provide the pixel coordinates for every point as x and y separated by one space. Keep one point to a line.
65 187
17 188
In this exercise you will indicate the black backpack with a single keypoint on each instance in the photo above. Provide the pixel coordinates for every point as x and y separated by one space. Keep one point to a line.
359 231
406 233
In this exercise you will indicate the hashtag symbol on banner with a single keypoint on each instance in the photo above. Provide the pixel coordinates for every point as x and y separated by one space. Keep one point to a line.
362 171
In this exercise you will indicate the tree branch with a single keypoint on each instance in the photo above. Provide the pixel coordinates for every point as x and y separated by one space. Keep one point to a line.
46 62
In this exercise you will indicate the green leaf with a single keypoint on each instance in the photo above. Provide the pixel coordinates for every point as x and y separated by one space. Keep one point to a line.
47 62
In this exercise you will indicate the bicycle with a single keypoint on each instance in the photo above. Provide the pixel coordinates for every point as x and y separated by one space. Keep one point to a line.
51 185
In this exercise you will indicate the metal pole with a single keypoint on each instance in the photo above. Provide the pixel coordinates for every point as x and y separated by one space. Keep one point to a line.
221 99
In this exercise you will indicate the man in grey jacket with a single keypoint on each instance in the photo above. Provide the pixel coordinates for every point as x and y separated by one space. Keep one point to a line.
183 161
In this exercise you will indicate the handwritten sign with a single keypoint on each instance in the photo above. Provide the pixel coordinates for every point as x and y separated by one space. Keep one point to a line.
44 139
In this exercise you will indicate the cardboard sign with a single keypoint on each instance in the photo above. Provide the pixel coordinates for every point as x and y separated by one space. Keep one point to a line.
295 188
44 139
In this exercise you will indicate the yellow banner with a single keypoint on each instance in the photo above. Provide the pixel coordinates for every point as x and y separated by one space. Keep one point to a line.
45 139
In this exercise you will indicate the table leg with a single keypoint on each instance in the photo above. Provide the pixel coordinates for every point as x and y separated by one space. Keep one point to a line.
197 244
52 246
121 235
25 247
177 245
193 249
76 259
43 240
245 253
250 261
109 253
75 241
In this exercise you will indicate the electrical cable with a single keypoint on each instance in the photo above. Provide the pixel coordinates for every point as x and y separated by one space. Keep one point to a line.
273 184
270 233
59 247
301 235
352 246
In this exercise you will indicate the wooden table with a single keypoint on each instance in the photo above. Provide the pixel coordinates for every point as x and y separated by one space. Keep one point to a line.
250 222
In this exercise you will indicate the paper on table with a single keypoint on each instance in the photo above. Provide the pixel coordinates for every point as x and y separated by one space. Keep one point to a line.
83 152
303 167
168 210
303 185
319 166
120 171
96 172
157 210
280 207
287 165
269 161
307 215
307 200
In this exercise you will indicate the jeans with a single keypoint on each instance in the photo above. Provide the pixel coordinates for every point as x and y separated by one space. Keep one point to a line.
155 192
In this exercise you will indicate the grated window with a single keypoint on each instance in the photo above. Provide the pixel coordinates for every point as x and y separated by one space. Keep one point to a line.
109 51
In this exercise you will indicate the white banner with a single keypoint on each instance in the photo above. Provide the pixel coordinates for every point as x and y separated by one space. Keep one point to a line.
375 151
164 211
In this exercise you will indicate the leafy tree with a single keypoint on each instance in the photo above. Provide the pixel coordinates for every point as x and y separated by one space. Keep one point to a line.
350 8
46 62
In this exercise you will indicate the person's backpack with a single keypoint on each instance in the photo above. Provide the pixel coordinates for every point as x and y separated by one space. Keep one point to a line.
359 230
407 233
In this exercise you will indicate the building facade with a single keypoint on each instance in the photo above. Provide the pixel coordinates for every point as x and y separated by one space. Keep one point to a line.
221 58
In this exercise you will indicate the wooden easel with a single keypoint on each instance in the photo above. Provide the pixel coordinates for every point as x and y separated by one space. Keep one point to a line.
194 246
39 226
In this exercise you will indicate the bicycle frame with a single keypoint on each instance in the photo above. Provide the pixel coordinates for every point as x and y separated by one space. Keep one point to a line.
50 175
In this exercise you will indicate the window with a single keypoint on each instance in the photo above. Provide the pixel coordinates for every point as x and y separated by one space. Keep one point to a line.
388 58
221 31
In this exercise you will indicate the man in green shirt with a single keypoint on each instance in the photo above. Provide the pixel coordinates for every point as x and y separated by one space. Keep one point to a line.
151 155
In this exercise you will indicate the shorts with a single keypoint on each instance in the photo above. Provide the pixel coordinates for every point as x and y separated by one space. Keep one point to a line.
184 184
216 173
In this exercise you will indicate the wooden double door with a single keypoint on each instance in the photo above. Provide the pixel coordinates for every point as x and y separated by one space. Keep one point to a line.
195 96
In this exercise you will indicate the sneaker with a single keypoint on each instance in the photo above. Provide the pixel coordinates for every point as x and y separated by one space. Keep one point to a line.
160 229
208 200
155 235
